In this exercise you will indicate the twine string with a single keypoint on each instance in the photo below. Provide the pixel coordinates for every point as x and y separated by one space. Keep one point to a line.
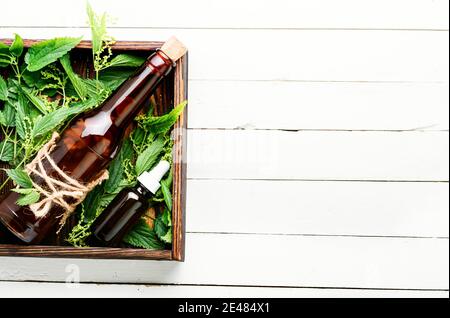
61 190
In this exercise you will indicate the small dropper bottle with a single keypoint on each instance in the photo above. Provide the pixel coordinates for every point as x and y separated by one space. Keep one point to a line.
127 208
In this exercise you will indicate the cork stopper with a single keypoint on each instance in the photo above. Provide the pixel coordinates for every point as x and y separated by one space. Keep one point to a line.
174 49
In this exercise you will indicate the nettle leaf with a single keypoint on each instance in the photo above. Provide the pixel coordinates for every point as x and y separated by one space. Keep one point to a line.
96 89
163 123
162 230
143 236
20 177
165 188
21 116
113 78
23 190
126 60
9 115
91 204
47 52
76 81
29 198
47 123
5 58
3 89
6 151
16 47
33 79
3 48
36 101
149 156
98 29
166 217
115 175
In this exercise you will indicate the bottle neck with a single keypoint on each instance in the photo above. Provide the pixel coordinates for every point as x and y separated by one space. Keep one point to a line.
127 101
141 189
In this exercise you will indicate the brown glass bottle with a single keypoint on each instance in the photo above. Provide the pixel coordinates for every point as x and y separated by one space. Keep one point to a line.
87 146
126 209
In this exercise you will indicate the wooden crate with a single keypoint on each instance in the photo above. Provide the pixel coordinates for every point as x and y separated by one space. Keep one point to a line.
172 91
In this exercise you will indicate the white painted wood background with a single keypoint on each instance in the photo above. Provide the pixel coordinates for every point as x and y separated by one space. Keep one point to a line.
318 149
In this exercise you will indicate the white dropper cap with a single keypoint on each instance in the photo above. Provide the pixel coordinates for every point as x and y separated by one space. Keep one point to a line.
151 179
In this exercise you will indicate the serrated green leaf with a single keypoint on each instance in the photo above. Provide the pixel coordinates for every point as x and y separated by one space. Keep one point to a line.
91 204
9 115
6 151
138 136
106 199
29 198
149 156
36 101
163 232
76 81
142 236
98 29
20 118
3 89
168 237
126 60
96 89
20 177
166 217
5 58
165 188
115 174
163 123
33 79
16 47
2 118
127 149
23 190
47 123
3 47
47 52
113 78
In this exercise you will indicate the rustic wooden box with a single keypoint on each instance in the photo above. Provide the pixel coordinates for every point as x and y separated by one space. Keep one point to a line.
172 91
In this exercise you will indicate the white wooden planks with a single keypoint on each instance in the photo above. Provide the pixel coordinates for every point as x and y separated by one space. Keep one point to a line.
350 65
312 155
399 14
330 106
16 289
267 260
308 55
327 208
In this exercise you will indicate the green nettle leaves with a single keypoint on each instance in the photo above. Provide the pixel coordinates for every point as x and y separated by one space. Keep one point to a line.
42 93
8 115
162 124
98 29
47 52
6 151
126 60
76 80
29 196
143 236
165 188
3 89
162 230
47 123
20 177
16 47
5 58
115 175
149 156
